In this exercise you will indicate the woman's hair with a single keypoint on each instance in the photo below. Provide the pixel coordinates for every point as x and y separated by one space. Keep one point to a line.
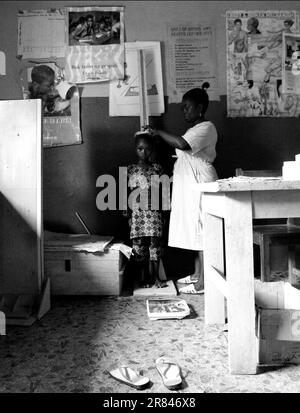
143 136
198 96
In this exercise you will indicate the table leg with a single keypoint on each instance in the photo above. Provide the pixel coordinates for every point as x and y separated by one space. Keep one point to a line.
242 342
265 259
291 263
213 257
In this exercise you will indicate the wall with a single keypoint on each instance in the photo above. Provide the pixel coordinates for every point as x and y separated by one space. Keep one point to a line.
70 173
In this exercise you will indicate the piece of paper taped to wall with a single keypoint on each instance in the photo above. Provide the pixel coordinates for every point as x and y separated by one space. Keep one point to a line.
2 64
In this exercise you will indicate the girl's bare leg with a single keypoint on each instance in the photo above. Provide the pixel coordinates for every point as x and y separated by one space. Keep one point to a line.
155 274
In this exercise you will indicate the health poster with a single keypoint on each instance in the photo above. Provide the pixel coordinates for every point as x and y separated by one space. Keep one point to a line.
60 103
291 63
192 59
95 44
254 42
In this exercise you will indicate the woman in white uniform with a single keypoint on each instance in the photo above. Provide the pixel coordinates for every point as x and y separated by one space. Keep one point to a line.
195 152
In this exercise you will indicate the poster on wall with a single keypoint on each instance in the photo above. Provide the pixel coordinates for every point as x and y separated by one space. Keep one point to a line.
60 102
254 42
291 64
124 96
191 59
95 44
41 34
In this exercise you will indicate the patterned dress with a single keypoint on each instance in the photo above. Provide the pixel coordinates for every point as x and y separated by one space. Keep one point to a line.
146 221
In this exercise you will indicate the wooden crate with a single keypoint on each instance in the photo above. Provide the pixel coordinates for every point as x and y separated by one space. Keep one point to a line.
75 272
278 322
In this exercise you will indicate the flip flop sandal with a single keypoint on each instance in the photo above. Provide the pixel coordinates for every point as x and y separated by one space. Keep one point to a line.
190 289
169 372
187 280
130 377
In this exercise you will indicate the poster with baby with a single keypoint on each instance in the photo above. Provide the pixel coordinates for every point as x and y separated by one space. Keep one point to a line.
254 45
60 103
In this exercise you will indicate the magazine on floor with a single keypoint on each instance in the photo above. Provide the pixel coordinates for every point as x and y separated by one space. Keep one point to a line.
162 308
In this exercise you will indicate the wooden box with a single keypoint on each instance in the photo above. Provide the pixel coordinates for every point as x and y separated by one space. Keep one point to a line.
73 271
278 322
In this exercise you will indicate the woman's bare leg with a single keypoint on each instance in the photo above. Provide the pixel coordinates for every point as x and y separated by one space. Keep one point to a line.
199 271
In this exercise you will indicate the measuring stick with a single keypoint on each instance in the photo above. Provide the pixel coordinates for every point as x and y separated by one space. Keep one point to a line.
144 105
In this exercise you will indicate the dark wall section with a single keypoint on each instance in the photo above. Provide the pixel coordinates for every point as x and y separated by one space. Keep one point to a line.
253 143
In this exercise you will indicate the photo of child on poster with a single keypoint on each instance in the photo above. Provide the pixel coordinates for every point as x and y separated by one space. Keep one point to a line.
60 103
94 38
94 27
42 86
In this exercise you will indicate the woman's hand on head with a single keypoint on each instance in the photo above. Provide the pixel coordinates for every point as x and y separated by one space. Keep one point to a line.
152 132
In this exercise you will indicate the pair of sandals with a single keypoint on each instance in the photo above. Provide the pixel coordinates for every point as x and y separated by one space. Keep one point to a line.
189 288
168 370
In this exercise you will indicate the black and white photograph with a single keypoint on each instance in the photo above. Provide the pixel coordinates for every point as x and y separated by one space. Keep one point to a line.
94 28
149 202
94 44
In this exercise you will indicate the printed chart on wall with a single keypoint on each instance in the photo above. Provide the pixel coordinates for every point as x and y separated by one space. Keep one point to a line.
61 122
95 44
41 34
254 63
191 59
124 94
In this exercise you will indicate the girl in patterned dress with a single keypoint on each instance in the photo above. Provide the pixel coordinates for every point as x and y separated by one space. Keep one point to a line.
145 218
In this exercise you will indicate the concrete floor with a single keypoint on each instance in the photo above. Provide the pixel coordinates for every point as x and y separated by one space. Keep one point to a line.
75 345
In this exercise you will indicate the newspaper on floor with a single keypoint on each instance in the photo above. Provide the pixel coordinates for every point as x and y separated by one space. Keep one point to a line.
161 308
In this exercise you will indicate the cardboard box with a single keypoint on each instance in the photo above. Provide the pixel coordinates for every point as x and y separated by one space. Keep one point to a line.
278 322
75 268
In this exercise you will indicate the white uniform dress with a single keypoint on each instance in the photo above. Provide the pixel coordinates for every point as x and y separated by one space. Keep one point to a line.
191 167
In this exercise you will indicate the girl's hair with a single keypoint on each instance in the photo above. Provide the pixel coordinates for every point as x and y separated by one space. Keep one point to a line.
145 136
198 96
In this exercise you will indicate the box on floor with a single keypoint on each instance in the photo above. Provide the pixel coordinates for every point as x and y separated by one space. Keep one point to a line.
278 322
83 265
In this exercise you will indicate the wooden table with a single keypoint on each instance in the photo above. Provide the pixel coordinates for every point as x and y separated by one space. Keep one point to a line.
229 206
